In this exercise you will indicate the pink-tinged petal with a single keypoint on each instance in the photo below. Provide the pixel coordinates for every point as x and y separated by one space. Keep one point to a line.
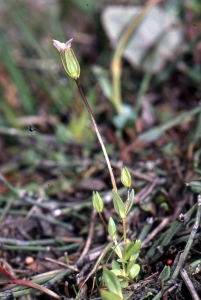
58 45
68 43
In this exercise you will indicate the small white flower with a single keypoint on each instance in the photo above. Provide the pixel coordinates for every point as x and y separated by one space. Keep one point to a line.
62 46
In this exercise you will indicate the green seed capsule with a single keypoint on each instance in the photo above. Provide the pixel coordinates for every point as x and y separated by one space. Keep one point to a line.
68 58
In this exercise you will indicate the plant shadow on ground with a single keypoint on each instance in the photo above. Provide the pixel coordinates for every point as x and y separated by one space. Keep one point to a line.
50 160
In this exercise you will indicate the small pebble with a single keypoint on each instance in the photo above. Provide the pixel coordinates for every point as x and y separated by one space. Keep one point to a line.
29 260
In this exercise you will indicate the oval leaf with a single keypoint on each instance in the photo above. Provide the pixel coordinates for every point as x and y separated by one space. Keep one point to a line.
105 295
112 282
128 295
115 265
112 229
118 205
134 271
133 250
118 250
165 274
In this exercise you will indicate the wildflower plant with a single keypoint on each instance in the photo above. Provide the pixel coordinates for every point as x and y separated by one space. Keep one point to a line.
124 268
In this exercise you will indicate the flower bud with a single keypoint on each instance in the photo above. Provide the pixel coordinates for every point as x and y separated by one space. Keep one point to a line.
125 177
68 58
97 202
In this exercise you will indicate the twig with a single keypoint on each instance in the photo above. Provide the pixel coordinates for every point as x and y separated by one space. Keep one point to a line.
166 237
190 241
168 291
22 194
60 263
189 284
45 278
104 252
103 221
90 235
155 231
145 229
8 185
147 190
187 248
39 200
43 217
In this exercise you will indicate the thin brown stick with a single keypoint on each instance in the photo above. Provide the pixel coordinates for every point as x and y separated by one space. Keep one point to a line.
155 231
75 269
189 284
190 241
90 235
97 133
103 221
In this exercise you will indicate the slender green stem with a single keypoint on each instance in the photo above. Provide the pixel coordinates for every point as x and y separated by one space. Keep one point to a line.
8 185
97 133
6 209
116 61
40 248
24 243
124 229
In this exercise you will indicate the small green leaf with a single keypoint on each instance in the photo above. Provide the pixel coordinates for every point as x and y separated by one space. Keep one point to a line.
97 202
122 260
105 295
129 245
112 229
127 296
118 272
165 206
133 250
125 177
112 282
134 271
118 205
126 118
129 202
165 274
129 266
124 283
118 250
148 207
134 257
115 265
